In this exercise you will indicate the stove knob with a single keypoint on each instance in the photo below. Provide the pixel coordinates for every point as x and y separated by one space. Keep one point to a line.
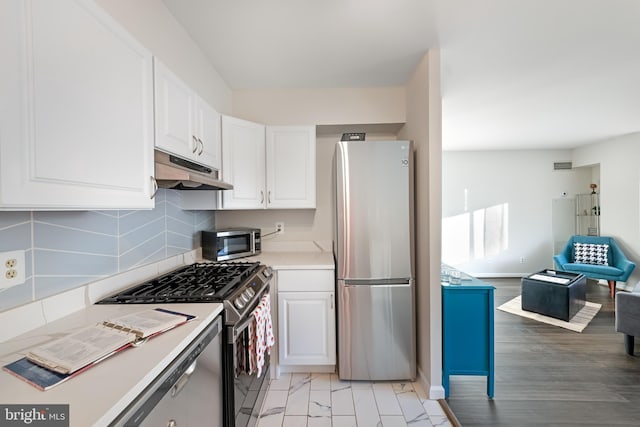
250 292
245 297
239 303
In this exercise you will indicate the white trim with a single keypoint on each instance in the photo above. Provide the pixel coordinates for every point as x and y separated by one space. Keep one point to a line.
500 275
435 392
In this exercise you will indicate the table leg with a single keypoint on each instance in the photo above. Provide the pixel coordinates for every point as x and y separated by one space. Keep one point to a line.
612 288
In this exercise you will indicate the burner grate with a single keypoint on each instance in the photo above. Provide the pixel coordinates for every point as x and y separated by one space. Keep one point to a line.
199 282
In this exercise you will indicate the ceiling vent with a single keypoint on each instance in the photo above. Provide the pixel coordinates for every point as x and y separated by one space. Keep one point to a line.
561 166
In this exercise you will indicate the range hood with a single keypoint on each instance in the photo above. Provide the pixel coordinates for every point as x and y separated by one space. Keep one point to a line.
181 174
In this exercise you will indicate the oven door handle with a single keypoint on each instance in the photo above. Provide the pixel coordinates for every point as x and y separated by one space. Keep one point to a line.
183 380
237 330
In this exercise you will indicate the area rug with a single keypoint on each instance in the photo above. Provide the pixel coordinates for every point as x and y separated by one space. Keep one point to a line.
576 324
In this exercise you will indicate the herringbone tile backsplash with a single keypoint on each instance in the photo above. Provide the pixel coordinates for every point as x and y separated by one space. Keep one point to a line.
64 250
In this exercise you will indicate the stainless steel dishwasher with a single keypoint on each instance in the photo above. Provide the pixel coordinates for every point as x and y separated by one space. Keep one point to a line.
189 390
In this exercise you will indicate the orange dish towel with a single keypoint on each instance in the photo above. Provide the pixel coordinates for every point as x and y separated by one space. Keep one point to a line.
263 336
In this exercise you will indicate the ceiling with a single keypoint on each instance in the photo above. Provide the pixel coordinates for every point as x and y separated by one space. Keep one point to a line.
526 74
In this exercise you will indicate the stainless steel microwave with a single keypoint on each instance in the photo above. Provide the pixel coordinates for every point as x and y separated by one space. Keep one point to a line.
230 243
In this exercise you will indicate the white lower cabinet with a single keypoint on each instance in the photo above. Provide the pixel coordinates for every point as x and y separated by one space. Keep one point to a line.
306 318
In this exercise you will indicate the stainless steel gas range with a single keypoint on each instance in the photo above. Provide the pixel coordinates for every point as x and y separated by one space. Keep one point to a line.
239 286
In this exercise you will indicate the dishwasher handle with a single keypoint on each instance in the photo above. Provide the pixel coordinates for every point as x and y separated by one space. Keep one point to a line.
183 380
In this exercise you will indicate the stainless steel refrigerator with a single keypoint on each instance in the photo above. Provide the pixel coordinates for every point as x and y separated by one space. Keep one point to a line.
374 252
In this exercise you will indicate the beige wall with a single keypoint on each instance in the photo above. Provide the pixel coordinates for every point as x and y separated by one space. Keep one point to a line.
343 109
423 127
152 24
321 106
301 224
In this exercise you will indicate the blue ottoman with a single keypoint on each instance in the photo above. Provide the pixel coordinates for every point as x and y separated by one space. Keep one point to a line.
558 294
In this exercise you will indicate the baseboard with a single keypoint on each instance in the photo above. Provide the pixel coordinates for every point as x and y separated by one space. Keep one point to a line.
499 275
434 392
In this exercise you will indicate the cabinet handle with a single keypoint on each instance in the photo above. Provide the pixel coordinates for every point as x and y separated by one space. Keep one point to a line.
269 197
201 146
195 144
261 197
331 301
154 185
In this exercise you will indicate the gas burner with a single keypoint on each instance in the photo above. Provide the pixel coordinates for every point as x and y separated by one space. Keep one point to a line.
199 282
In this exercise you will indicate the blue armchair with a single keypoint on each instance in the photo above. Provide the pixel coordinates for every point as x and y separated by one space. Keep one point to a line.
618 268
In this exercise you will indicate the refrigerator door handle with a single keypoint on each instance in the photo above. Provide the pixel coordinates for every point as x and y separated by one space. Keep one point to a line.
378 282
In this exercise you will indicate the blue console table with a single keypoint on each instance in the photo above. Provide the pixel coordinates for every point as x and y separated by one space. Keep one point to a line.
467 331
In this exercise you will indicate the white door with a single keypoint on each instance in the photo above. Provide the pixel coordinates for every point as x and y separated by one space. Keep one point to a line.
291 167
76 111
243 163
306 328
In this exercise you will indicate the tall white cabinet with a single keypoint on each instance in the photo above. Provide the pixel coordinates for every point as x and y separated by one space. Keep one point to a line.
185 124
270 167
76 111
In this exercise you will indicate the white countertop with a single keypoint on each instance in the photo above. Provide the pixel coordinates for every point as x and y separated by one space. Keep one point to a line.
98 395
296 260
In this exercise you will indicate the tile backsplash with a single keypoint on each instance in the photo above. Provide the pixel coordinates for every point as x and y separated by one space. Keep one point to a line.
64 250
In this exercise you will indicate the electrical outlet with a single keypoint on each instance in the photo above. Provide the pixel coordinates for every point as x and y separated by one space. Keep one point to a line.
13 269
523 260
280 227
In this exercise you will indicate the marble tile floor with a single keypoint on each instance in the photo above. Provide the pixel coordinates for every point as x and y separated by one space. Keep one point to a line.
322 400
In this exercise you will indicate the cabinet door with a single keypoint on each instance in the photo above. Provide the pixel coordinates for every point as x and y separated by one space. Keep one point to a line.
306 328
243 163
175 118
76 111
291 167
207 131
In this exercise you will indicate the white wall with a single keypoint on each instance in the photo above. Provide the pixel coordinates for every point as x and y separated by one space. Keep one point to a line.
526 183
154 26
619 161
424 128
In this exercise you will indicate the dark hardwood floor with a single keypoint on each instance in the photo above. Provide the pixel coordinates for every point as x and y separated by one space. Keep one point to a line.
550 376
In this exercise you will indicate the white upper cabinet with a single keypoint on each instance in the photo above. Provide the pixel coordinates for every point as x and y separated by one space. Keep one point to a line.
76 111
269 166
291 167
243 159
185 125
